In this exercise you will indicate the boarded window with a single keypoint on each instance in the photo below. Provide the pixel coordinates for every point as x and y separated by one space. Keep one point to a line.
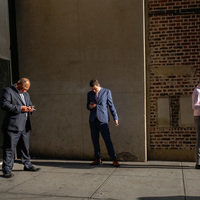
163 114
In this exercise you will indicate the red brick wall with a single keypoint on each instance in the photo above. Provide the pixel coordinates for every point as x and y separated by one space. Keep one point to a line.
174 40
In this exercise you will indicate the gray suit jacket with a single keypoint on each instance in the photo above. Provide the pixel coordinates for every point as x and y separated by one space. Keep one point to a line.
14 119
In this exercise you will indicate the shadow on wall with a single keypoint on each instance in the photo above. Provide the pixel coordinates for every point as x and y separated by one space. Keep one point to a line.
170 198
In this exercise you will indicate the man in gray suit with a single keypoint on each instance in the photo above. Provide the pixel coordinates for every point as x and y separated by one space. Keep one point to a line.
17 106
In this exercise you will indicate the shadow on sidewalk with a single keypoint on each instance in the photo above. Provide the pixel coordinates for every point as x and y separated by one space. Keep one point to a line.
156 166
86 165
170 198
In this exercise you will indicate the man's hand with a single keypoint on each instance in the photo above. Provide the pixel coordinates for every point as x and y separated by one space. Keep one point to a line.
92 105
116 123
30 109
26 109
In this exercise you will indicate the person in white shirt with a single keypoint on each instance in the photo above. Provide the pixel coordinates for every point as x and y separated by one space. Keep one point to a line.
196 108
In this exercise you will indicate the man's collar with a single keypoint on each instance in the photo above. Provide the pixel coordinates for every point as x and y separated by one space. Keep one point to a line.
17 89
99 89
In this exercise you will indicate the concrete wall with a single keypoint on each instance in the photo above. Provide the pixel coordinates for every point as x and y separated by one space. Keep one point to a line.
64 44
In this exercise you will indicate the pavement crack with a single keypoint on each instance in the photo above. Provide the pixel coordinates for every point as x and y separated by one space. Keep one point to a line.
102 183
183 182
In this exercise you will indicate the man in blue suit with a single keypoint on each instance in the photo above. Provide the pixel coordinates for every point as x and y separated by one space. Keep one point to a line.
17 106
98 101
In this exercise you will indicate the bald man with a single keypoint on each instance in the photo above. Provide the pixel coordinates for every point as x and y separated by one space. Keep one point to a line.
17 106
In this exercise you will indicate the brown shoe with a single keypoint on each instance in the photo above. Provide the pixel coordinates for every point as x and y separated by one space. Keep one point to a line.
96 162
115 163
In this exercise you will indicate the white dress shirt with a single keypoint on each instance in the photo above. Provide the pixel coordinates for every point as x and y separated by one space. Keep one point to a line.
22 97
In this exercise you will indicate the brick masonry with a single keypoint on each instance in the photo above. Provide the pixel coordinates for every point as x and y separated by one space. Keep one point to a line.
174 40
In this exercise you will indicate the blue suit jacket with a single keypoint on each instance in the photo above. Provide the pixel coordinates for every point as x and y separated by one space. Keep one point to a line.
14 119
101 110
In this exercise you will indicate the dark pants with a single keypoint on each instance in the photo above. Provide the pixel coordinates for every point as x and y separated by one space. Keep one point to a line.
197 127
95 127
11 140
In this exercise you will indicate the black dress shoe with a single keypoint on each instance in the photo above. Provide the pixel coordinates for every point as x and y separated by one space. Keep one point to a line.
31 169
197 167
8 175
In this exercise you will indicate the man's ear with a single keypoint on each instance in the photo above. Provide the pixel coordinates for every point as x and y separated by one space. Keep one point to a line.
99 85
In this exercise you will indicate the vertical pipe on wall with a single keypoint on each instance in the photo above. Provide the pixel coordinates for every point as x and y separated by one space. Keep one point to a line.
145 100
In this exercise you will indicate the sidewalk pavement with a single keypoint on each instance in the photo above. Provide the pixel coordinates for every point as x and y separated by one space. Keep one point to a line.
77 180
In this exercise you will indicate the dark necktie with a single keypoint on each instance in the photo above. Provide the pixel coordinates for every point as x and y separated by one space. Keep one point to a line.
96 97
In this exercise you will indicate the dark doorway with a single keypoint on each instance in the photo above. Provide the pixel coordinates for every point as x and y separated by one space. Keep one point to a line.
5 81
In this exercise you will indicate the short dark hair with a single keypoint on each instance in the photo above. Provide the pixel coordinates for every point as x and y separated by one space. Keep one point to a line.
94 82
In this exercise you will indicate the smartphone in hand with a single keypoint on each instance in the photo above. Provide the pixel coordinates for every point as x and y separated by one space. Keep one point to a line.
33 108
